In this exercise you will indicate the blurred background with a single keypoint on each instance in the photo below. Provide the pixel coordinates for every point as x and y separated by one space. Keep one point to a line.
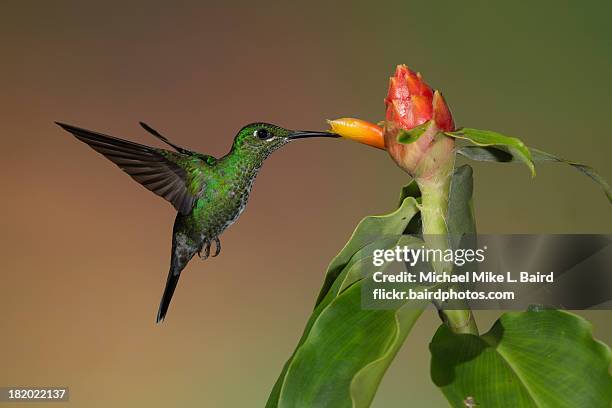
85 250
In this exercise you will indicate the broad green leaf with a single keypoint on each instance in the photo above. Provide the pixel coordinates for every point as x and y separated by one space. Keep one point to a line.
343 275
535 359
412 135
490 138
358 265
346 350
498 154
369 230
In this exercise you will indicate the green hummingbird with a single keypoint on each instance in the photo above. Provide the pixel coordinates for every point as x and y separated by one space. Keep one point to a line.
208 193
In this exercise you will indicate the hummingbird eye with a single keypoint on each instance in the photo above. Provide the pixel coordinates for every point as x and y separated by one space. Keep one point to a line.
263 133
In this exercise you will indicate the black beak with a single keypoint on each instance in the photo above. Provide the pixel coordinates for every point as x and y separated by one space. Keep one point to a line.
301 134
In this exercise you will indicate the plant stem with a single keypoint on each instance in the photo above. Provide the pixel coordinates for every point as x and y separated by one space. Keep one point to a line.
434 207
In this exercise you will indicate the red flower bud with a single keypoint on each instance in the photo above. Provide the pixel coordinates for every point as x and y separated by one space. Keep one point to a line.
410 102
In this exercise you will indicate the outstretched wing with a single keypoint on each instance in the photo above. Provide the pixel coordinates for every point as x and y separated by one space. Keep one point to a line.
161 171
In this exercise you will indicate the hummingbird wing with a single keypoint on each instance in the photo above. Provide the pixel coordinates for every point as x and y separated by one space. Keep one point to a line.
173 176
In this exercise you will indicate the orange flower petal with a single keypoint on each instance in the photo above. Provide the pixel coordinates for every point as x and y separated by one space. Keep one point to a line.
441 113
359 130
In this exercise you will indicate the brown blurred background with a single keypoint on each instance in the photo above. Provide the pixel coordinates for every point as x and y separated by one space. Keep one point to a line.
85 250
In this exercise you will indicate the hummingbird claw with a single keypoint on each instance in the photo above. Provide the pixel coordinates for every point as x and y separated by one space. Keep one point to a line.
206 247
217 246
207 250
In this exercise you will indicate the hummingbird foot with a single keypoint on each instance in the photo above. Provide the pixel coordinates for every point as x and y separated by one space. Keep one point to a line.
217 246
206 247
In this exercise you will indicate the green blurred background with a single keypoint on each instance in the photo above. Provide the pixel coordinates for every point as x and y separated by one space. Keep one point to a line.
85 250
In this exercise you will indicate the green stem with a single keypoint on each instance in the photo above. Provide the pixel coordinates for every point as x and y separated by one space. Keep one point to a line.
434 207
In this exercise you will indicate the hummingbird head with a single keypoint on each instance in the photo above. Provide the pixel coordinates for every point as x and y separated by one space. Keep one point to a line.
264 138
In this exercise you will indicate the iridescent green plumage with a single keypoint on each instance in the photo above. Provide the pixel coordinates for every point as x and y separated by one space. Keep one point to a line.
208 193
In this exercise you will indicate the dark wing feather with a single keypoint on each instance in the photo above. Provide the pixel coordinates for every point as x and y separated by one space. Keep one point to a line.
164 139
151 167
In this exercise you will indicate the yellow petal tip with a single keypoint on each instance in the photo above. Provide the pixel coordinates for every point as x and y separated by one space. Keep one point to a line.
358 130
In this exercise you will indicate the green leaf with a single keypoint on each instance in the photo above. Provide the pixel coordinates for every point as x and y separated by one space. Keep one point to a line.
412 135
497 154
351 270
410 190
539 358
460 217
490 138
345 350
369 230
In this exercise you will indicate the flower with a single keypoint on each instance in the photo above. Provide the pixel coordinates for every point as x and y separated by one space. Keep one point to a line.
410 103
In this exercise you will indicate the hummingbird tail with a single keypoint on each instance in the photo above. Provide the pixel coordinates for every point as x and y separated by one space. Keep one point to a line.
182 253
167 296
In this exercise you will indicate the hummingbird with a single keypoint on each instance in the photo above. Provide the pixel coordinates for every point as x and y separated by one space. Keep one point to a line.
209 193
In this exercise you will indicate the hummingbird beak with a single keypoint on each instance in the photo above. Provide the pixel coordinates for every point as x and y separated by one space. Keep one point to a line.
301 134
